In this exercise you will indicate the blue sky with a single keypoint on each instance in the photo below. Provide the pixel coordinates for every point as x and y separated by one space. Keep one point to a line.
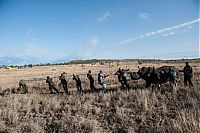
38 31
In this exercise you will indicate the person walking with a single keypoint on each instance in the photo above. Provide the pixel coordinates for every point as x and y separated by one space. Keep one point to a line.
64 82
78 83
89 76
51 85
101 80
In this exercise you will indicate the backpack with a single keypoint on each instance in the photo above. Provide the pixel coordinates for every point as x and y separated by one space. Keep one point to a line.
173 73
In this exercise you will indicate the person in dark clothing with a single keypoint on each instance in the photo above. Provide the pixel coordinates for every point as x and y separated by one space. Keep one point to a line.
23 86
119 76
162 76
188 73
125 78
154 76
78 83
51 85
64 82
89 76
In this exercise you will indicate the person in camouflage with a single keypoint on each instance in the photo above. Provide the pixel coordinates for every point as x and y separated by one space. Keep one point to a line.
78 83
64 82
23 86
125 78
51 85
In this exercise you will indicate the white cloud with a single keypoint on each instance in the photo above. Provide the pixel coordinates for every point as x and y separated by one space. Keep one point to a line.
104 16
161 31
145 15
169 33
93 42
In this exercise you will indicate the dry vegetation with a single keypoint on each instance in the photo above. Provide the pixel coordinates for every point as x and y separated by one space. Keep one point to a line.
139 110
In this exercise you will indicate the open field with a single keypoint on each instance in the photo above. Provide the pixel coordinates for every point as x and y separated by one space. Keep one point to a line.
139 110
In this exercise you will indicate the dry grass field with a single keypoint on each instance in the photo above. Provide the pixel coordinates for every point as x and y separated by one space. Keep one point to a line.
139 110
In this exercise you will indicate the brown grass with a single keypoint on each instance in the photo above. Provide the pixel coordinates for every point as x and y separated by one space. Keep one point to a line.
139 110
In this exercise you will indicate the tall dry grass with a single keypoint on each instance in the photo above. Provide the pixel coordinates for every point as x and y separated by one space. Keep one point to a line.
139 110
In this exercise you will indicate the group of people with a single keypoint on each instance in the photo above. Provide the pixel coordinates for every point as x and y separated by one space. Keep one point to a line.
122 74
62 78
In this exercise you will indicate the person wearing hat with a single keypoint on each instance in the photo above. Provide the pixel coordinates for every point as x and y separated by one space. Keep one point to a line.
51 85
64 82
188 73
89 76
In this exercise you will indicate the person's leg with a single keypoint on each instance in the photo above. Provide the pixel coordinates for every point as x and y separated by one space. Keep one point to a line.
50 89
104 88
65 88
91 87
94 88
127 85
122 85
185 81
190 82
53 86
25 89
81 89
101 85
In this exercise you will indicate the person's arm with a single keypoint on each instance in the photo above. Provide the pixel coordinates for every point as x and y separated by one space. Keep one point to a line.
116 73
191 72
106 75
126 70
181 70
89 75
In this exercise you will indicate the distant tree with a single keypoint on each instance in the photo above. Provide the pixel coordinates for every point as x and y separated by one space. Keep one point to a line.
30 65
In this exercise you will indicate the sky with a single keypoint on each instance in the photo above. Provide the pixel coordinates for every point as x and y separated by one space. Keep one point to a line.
53 31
